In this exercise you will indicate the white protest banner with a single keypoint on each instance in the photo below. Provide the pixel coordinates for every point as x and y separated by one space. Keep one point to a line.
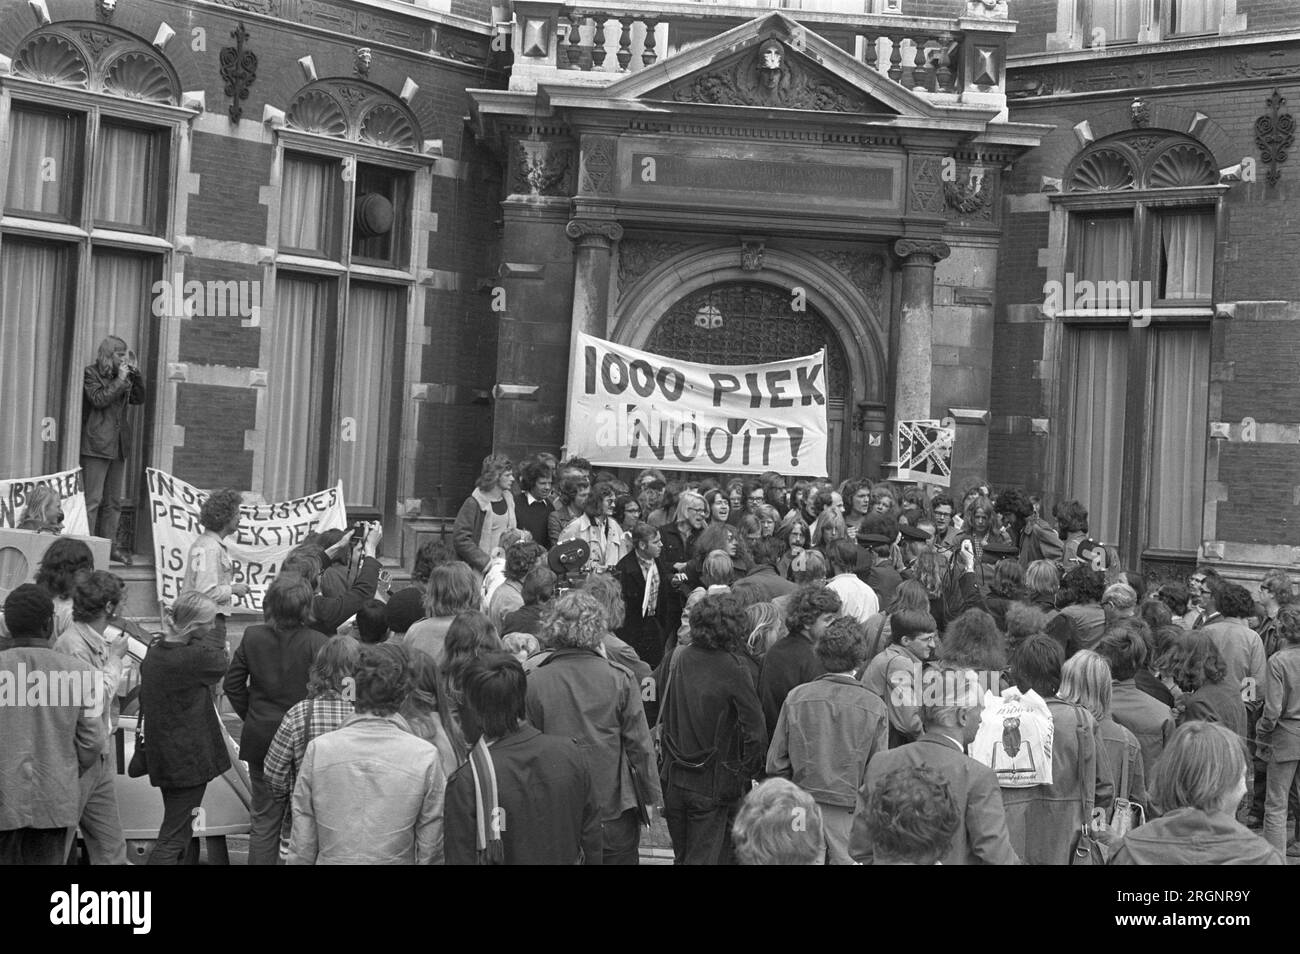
925 452
267 532
630 408
14 494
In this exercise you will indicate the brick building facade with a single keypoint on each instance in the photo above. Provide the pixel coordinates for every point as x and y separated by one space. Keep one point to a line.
431 197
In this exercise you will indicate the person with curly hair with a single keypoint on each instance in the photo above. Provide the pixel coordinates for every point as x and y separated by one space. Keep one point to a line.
208 567
1192 662
520 558
574 691
64 561
605 538
470 636
973 641
763 834
792 660
1036 538
1275 591
713 734
533 502
911 817
1082 621
487 513
1229 605
827 731
1072 529
336 818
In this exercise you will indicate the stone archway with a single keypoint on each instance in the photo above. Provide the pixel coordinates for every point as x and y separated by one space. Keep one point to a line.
760 323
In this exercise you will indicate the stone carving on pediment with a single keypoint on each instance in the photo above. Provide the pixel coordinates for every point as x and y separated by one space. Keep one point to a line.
636 257
770 76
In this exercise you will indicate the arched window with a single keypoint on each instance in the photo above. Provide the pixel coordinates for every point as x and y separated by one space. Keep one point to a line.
1137 298
93 131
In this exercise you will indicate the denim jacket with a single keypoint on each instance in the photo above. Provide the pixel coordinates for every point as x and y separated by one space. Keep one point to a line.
368 793
827 730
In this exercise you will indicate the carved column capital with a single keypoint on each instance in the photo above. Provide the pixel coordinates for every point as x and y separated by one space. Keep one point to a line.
594 232
921 251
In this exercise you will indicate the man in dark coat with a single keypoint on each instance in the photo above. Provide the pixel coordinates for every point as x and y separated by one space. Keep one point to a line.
108 386
879 573
544 811
532 503
792 660
763 583
646 582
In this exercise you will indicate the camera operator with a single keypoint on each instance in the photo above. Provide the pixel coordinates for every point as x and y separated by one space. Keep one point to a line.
331 609
108 386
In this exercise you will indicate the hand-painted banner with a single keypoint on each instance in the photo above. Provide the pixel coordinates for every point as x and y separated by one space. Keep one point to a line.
630 408
266 534
14 494
925 452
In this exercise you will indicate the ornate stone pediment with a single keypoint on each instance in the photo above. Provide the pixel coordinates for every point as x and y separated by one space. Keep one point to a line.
770 73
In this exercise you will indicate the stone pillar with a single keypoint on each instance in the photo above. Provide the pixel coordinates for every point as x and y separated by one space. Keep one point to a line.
916 312
594 238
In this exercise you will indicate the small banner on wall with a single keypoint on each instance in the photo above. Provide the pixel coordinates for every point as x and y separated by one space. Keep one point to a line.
14 494
630 408
266 534
925 452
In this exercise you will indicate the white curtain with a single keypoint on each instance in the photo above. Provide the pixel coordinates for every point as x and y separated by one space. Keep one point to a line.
122 177
39 161
1097 396
1178 436
1187 248
33 298
1118 18
1106 255
304 205
122 297
1195 16
299 325
365 389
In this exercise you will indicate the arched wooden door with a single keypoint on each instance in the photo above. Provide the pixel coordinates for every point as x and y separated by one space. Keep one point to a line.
753 322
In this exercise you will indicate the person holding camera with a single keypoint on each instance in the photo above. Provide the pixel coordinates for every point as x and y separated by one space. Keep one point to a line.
108 386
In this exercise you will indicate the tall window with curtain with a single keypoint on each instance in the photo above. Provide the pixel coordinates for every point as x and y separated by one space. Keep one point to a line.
35 314
307 205
1186 265
1179 409
1143 210
365 388
43 163
1098 386
124 178
294 416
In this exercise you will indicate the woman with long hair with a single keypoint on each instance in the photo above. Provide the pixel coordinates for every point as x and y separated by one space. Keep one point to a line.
766 626
421 710
44 511
183 736
63 563
828 528
794 534
453 589
487 513
1197 786
471 636
1193 662
109 387
267 677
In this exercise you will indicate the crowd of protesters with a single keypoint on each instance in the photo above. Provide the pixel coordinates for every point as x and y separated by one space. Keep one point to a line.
789 673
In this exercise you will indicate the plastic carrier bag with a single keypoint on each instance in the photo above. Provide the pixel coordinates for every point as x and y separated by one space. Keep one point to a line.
1015 738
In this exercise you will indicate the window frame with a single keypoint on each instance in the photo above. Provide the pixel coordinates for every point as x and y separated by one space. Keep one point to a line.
345 269
82 236
1145 206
